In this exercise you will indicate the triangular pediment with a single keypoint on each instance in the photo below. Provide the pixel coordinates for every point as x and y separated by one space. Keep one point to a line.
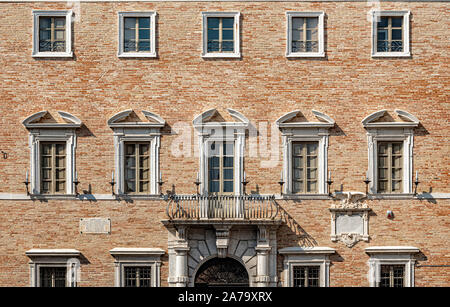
383 118
129 118
46 119
297 119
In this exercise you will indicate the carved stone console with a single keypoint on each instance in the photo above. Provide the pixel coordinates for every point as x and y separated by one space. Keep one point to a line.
350 218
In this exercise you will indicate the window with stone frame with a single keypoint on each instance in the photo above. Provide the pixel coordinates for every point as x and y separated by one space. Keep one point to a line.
52 35
221 168
137 168
306 276
53 277
304 167
390 167
137 276
221 34
392 276
53 167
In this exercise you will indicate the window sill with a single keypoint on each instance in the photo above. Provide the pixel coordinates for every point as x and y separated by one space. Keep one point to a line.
391 55
306 55
221 55
305 196
391 196
137 55
53 55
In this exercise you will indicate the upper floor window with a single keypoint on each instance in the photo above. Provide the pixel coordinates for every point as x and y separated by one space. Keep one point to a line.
137 168
392 276
221 167
137 34
390 149
53 168
390 167
390 33
221 34
52 34
304 164
305 34
305 157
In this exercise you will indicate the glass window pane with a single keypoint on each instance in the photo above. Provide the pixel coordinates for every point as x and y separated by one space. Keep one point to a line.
213 34
44 22
130 22
228 161
228 46
298 173
213 186
59 46
397 21
214 162
297 186
130 34
382 35
397 34
60 34
130 162
298 162
312 161
130 186
130 149
228 173
144 22
228 186
227 34
214 174
144 34
297 22
143 186
311 23
297 35
383 22
44 34
312 149
227 22
60 22
144 45
297 149
144 174
130 174
213 22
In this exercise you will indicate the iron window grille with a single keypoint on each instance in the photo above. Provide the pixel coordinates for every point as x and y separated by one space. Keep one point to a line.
306 276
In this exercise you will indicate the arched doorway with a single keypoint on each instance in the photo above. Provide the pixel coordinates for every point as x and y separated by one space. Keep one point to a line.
222 272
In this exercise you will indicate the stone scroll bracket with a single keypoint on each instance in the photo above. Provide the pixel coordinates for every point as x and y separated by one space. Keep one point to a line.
222 240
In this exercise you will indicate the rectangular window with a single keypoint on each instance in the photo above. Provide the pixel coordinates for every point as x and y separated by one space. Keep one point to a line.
306 276
220 34
304 167
305 34
392 276
53 168
390 162
136 34
390 34
221 167
137 276
52 34
137 168
52 276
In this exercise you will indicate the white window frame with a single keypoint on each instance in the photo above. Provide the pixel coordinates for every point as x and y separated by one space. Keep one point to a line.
68 258
320 35
405 28
136 132
308 256
137 257
390 132
237 40
233 132
149 54
52 132
391 255
305 132
66 54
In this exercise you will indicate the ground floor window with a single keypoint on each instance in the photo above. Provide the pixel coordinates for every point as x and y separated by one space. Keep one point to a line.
306 276
138 276
53 277
392 276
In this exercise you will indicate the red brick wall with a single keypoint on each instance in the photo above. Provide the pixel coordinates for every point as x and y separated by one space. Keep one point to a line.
347 85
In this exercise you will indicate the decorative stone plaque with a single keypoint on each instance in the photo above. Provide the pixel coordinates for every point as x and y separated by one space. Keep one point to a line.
350 219
95 225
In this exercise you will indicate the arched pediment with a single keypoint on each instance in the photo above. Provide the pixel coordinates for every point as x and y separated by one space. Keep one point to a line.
372 120
119 120
325 120
34 120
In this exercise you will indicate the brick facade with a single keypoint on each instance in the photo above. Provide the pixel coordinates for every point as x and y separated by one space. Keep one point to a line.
347 84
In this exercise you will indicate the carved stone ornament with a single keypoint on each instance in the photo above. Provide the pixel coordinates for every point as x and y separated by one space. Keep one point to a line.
350 218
